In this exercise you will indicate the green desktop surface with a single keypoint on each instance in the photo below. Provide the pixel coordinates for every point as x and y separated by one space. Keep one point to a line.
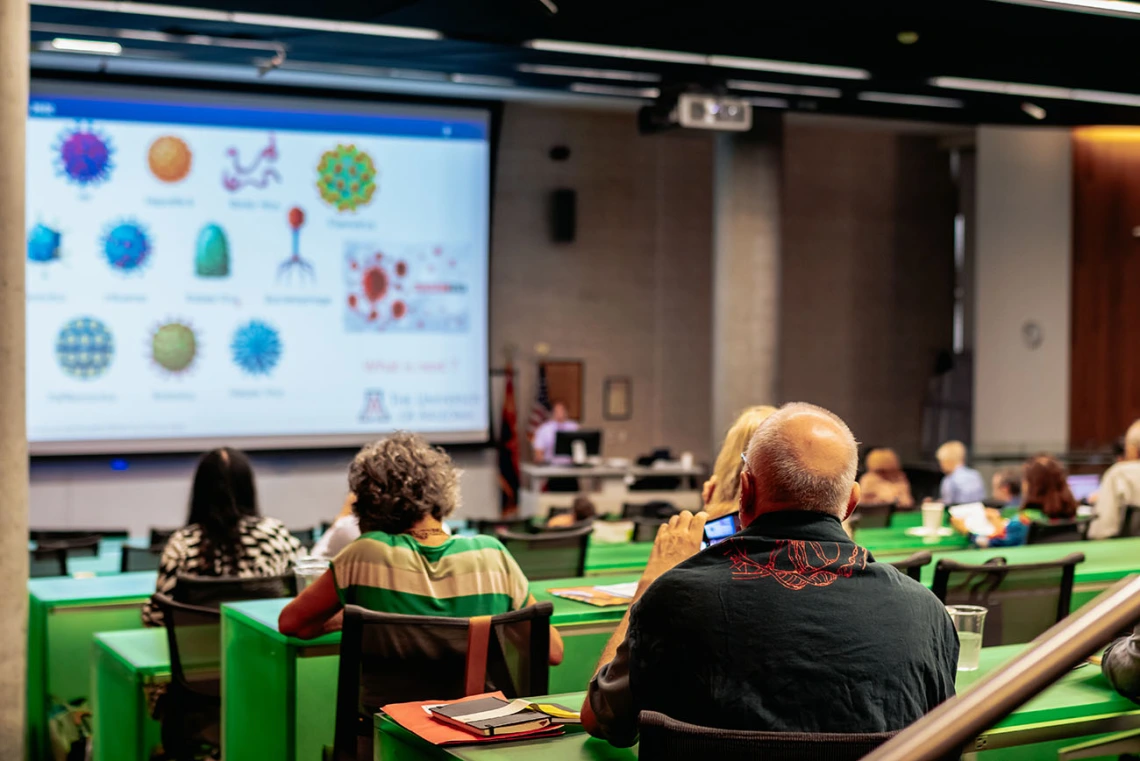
64 614
1071 708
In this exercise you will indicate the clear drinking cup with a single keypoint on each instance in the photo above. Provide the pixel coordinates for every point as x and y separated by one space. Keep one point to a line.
308 569
970 621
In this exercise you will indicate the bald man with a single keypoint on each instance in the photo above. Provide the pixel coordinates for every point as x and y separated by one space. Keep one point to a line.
788 626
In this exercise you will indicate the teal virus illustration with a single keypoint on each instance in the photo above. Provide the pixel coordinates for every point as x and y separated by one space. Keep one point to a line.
173 347
346 177
43 244
84 348
127 246
256 347
212 252
83 156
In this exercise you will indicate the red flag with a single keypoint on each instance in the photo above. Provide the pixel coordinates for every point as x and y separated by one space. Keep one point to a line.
509 449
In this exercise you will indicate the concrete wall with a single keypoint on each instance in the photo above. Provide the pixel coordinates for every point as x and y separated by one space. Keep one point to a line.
1023 261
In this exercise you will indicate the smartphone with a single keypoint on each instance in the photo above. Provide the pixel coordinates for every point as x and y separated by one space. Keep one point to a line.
719 529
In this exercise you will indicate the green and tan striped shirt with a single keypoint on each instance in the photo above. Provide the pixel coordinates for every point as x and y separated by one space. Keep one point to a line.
463 577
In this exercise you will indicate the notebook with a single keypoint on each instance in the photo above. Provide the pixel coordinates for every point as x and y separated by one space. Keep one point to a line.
491 717
416 717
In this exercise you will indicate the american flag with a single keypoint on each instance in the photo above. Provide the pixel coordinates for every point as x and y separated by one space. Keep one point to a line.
540 410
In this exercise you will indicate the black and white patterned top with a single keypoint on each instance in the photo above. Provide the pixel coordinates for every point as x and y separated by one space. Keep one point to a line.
268 550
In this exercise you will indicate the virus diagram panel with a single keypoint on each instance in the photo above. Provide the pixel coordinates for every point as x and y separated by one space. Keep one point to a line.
291 272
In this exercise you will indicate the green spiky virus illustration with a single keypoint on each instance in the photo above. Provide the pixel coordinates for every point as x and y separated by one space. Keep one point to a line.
173 347
346 177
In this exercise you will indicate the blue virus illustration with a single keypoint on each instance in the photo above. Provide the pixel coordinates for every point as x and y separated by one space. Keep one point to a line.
256 347
84 348
84 156
126 246
43 244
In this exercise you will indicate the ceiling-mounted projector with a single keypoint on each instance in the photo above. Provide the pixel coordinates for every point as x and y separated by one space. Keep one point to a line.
696 111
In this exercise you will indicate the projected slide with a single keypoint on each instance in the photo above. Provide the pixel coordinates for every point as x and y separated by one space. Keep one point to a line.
207 268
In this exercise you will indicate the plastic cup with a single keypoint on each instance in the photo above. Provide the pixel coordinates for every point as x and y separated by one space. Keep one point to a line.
970 622
308 569
932 517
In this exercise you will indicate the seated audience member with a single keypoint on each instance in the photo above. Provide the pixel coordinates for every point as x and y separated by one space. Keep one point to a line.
582 510
788 626
1119 488
960 484
343 531
1121 665
546 435
404 561
225 535
1005 488
721 493
884 480
1044 490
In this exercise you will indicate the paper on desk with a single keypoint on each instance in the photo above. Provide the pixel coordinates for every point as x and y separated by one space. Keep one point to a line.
973 515
627 590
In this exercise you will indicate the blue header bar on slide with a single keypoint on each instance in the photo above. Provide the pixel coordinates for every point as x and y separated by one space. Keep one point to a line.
255 118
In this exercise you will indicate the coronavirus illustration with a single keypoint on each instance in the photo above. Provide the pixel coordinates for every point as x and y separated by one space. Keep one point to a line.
84 348
256 347
44 244
84 156
212 252
346 177
295 262
173 347
169 158
376 289
127 246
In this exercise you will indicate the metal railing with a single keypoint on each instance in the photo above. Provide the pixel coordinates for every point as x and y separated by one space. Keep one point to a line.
944 732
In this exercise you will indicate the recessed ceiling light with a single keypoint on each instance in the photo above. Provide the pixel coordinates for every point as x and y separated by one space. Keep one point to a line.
910 100
481 79
1034 110
767 102
907 37
782 89
251 19
1036 91
97 47
583 73
1104 7
621 92
697 59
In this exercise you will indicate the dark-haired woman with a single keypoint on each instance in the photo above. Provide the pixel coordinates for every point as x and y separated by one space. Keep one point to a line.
225 535
404 561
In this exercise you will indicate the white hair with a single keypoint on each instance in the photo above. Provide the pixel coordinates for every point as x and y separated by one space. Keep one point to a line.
1132 437
954 451
776 461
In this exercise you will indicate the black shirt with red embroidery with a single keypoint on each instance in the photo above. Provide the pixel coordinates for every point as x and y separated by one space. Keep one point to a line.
788 626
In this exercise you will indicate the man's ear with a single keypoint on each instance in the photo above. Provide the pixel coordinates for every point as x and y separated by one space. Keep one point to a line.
853 499
747 497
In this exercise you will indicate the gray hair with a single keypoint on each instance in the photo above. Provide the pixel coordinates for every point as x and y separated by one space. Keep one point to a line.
400 480
776 461
1132 437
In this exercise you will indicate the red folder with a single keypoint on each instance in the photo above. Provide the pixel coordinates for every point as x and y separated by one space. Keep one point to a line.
413 717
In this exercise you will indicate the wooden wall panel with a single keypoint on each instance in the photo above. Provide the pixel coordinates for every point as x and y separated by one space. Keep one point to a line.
1105 376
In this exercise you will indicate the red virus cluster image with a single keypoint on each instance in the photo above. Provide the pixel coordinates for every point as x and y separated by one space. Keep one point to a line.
376 289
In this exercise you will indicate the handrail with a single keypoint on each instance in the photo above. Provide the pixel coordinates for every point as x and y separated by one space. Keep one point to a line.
945 730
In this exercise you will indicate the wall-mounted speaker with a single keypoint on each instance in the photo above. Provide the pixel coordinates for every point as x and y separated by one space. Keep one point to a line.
563 215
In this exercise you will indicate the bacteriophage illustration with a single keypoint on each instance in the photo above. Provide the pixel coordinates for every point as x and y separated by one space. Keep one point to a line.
256 347
346 177
44 244
83 156
173 347
126 246
84 348
296 221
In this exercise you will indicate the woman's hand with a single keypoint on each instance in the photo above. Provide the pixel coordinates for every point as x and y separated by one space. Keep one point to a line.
959 525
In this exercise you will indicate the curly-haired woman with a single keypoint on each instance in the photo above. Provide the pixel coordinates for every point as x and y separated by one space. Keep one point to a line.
404 561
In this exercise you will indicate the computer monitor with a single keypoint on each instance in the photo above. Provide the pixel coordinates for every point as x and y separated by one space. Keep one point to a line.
563 442
1084 485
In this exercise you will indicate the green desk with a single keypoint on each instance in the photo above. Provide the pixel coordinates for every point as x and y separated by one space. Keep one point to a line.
616 558
126 663
63 617
279 693
1079 704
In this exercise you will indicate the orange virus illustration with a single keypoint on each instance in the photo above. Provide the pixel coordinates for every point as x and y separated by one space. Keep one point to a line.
169 158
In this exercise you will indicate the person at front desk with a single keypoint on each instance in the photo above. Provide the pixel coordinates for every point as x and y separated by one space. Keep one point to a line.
547 434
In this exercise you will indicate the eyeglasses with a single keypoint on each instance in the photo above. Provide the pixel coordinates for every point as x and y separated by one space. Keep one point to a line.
744 459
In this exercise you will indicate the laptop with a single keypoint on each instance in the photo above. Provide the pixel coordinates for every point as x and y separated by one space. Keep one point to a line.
1084 485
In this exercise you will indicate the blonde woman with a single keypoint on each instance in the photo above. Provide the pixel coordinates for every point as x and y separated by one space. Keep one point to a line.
884 480
721 493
